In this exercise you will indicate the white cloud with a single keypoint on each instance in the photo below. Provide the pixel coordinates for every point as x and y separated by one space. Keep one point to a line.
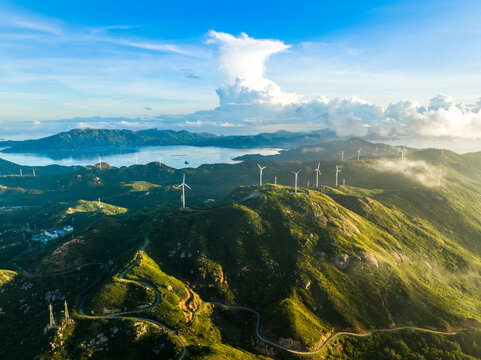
242 59
248 94
418 170
30 23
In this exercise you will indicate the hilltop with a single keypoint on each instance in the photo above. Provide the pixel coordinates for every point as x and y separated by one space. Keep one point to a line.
330 150
90 139
324 260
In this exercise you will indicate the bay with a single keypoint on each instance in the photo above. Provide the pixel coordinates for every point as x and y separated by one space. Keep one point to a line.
177 156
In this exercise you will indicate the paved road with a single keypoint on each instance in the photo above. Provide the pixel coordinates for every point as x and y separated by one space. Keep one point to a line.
328 341
123 315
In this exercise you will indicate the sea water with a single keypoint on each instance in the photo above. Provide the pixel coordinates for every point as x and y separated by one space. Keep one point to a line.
177 156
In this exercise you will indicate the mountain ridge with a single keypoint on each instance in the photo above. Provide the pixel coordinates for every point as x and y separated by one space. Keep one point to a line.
101 138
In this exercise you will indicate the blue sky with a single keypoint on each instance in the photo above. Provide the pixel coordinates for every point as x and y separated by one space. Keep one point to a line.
134 62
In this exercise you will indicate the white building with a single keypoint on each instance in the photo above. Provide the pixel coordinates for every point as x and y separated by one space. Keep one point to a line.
51 234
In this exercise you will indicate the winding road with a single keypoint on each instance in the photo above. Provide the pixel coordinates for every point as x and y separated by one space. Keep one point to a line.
328 341
125 314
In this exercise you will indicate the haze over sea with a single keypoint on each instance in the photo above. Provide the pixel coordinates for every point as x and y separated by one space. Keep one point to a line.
173 156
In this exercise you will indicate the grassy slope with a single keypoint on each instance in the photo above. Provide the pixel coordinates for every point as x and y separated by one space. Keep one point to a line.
277 253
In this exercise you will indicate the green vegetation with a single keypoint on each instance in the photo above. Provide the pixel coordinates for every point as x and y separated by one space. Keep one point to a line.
83 206
101 139
408 345
118 297
391 248
309 264
111 339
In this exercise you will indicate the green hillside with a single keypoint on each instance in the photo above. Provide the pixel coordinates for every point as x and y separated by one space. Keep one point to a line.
102 139
396 249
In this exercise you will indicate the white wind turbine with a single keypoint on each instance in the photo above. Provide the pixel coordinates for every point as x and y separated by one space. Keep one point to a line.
318 172
342 155
183 185
100 162
295 179
337 175
260 173
358 154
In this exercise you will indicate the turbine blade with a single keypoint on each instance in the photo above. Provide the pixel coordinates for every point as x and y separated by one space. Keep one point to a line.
187 186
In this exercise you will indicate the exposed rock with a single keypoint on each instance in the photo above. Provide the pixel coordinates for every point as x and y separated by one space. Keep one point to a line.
369 258
341 261
396 256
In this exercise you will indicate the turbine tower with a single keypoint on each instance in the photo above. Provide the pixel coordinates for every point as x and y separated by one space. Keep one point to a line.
67 319
318 172
337 175
183 185
100 162
295 179
33 172
376 151
358 154
260 173
52 319
342 155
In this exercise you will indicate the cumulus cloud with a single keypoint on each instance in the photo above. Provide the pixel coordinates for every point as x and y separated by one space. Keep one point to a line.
248 94
242 59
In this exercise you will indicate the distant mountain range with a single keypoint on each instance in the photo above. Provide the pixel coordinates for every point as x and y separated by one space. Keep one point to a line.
103 138
331 150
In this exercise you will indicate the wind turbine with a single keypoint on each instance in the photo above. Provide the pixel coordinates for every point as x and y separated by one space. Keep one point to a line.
358 154
260 173
100 162
342 155
33 172
295 179
376 151
337 174
318 172
183 185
